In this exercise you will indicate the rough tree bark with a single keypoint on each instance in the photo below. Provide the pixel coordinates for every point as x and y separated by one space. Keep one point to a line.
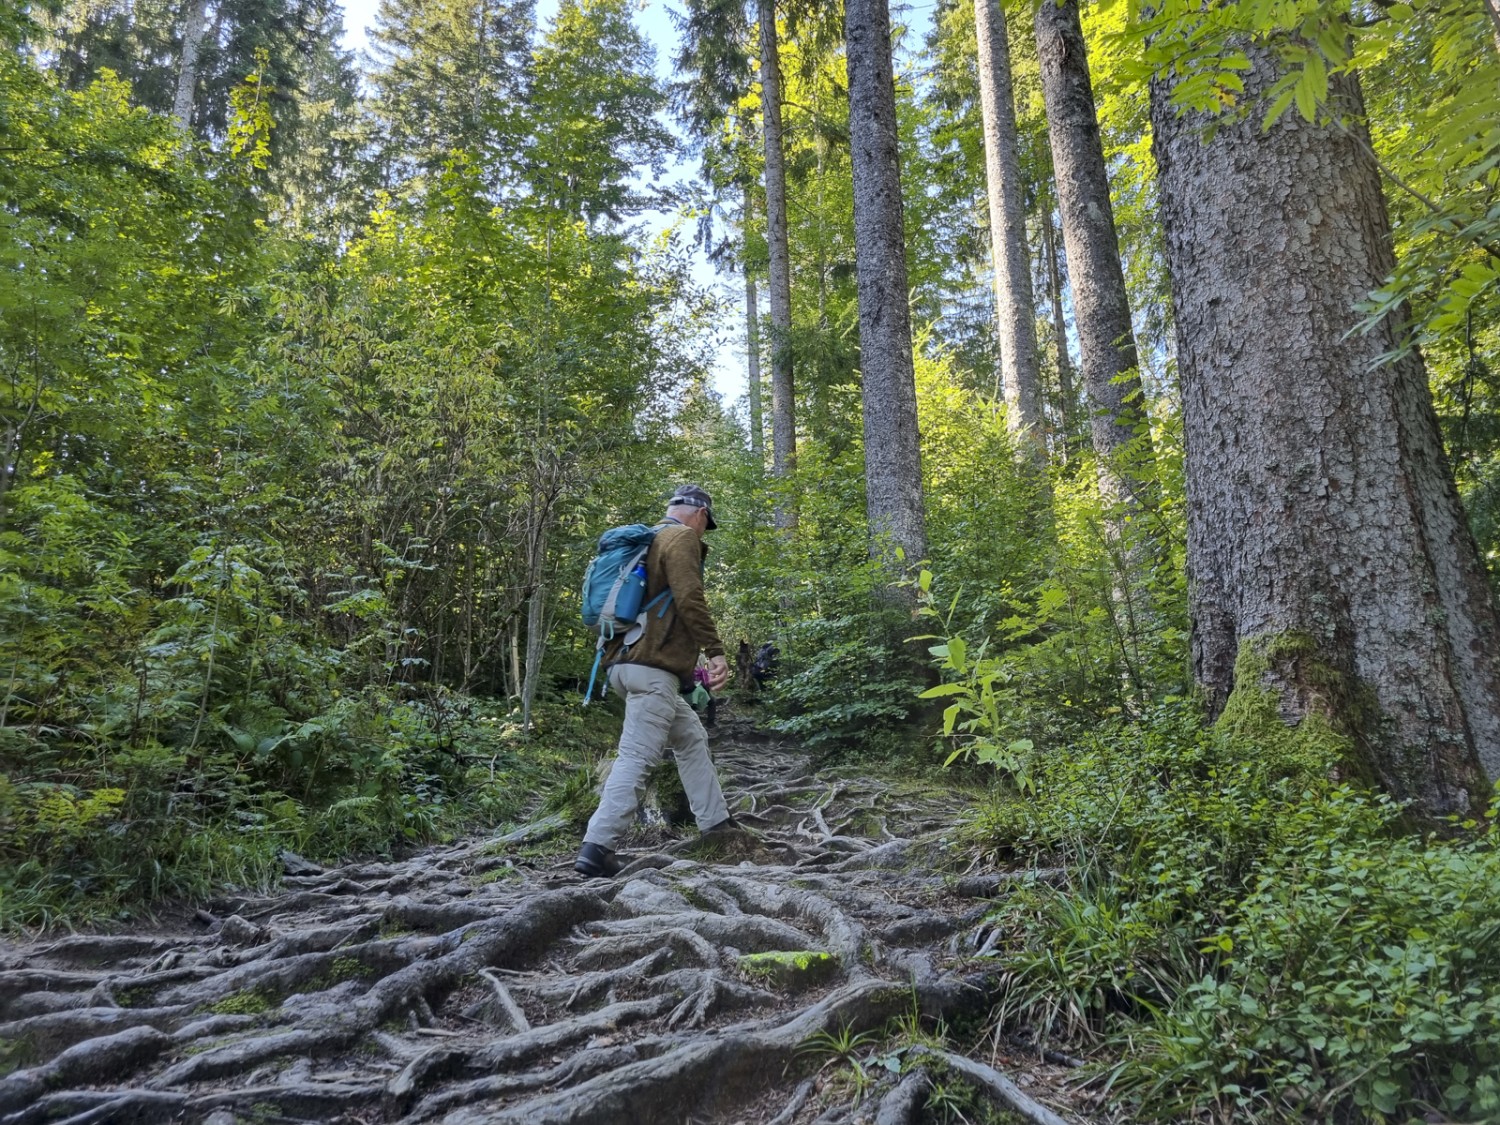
1101 309
783 403
194 26
1015 306
893 457
752 355
1329 559
1067 403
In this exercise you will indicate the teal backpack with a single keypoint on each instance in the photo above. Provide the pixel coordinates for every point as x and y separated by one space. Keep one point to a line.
614 588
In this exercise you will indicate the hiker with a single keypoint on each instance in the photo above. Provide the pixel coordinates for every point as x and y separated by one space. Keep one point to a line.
742 666
653 674
764 666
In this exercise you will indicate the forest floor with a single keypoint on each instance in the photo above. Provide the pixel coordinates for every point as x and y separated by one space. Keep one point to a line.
803 972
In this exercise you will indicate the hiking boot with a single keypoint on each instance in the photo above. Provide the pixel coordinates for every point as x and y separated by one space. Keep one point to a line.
728 824
596 861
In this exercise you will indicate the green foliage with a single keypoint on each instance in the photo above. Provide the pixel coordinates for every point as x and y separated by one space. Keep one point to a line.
1248 938
272 509
1356 974
1090 627
845 681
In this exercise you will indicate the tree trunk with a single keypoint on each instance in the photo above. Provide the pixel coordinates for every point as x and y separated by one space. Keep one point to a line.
1101 309
1325 535
1493 8
1015 307
536 650
194 26
1067 403
893 457
783 405
515 658
545 489
752 356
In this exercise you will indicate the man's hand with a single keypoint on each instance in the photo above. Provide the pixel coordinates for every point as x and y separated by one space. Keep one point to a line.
718 672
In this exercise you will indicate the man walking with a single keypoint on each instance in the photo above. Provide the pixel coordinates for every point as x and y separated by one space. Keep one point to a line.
652 673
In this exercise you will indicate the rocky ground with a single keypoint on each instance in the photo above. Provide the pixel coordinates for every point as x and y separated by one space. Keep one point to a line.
794 975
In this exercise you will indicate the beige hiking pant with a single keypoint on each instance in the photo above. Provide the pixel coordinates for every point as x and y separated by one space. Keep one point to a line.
656 716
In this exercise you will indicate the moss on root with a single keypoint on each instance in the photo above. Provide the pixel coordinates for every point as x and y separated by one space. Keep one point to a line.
250 1002
800 968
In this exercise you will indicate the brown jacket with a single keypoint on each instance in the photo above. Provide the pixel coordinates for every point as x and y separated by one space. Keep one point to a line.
672 641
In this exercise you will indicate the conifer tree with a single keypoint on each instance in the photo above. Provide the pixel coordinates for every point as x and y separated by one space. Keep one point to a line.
450 76
1101 305
1020 369
893 458
1332 568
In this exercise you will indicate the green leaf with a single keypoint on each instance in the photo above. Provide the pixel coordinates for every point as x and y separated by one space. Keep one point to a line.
1307 104
958 652
950 716
943 690
1278 107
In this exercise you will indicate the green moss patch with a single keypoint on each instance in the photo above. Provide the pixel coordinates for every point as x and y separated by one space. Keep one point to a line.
792 970
15 1054
1316 746
250 1002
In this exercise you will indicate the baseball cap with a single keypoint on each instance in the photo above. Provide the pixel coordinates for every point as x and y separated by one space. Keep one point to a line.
695 497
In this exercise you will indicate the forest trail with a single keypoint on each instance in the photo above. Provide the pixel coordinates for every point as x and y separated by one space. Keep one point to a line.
486 982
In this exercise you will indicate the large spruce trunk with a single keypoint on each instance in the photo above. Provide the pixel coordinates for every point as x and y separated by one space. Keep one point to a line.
783 403
1329 558
1020 370
1101 307
893 458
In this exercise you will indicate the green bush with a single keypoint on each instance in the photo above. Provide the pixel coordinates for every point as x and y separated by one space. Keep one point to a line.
843 682
1248 939
375 776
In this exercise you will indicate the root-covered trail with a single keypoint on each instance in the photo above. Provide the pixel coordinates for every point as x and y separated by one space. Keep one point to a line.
712 981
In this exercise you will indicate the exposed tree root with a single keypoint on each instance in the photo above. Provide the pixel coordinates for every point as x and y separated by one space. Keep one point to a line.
999 1088
694 985
902 1104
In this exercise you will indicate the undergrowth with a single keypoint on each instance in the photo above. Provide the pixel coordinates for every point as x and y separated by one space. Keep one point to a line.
1244 938
87 836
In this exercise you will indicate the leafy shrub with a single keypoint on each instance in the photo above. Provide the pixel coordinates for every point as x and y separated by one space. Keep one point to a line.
1359 973
843 682
1252 940
375 776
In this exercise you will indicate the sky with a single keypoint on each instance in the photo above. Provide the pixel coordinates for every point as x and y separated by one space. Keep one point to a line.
728 361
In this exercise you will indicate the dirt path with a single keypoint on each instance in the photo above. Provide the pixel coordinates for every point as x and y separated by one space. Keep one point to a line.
768 980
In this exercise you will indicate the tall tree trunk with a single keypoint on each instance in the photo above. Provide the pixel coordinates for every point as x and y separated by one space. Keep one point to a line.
752 355
1015 307
783 405
515 658
194 27
1493 8
1101 309
1068 404
893 457
546 487
1329 558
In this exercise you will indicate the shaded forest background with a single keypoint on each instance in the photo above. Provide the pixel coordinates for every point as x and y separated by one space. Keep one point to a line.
318 383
